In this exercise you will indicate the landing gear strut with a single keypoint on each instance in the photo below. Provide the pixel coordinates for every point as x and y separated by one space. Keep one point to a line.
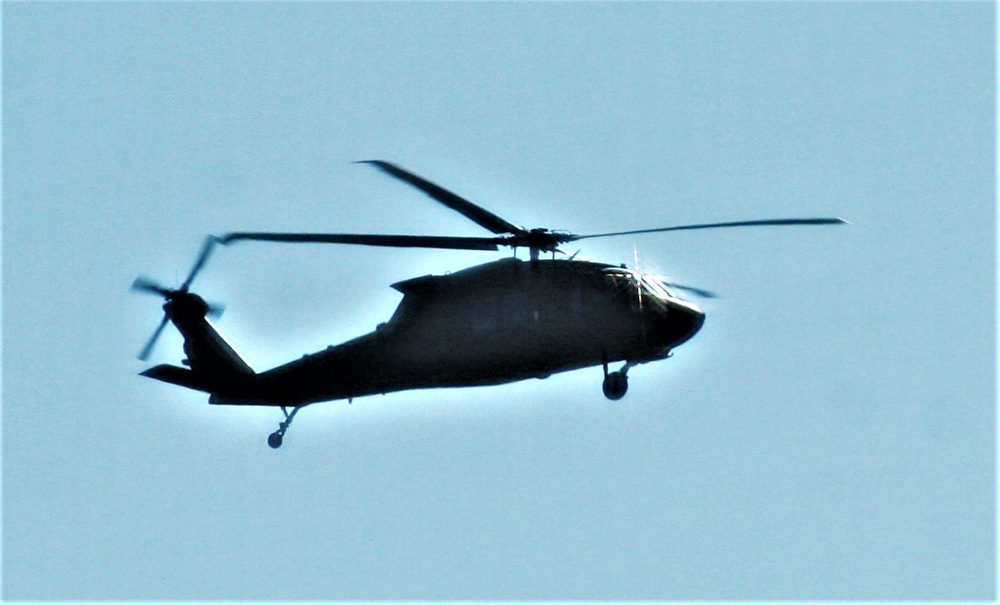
275 438
615 383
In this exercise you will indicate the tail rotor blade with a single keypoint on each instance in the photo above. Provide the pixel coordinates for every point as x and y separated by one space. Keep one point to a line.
206 251
146 350
144 284
215 310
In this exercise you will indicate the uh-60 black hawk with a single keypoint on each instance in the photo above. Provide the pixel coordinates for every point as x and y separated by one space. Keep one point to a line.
499 322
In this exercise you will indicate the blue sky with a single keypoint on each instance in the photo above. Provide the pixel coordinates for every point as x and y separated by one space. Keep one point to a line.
830 434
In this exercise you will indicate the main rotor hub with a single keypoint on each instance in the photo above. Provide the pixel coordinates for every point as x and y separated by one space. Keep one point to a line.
540 239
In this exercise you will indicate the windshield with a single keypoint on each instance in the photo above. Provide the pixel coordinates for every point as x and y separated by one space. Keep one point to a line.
628 280
657 287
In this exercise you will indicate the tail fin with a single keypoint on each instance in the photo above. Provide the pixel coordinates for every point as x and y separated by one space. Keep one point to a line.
215 367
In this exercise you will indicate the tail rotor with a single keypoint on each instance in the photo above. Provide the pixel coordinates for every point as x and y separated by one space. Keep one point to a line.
179 297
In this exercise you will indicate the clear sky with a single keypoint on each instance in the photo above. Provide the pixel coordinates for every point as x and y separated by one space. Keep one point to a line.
830 434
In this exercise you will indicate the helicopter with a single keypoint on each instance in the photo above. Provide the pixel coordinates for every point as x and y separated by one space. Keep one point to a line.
495 323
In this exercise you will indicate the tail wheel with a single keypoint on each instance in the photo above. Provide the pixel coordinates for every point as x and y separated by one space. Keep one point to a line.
277 437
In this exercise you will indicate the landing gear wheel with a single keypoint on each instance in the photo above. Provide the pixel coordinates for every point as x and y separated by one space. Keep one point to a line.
275 438
615 385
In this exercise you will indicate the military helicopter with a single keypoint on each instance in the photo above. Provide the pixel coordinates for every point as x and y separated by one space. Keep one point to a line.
495 323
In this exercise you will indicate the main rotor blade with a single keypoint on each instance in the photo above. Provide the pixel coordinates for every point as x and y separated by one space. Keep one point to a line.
206 251
693 290
146 350
395 241
774 221
481 216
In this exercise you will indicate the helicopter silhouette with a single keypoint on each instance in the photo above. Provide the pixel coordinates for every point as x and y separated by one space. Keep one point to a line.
495 323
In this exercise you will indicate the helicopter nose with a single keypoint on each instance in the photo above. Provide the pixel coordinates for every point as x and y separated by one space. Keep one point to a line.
680 321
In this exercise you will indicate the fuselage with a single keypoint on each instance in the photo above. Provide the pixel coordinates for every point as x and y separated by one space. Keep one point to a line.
495 323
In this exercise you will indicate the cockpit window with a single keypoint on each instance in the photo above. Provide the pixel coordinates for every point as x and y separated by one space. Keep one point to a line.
626 279
622 279
656 286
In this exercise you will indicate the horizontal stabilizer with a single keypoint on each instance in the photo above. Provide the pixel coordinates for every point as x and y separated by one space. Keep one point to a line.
182 377
227 385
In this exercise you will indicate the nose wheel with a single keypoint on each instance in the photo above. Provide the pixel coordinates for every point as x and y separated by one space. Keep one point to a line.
615 383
